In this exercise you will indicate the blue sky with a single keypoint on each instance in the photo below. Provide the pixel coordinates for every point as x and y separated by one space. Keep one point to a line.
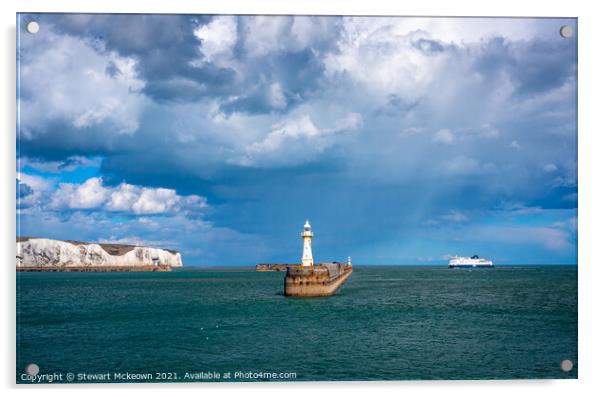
402 140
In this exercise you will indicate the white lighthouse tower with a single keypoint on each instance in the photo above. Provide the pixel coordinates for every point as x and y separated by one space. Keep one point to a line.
307 259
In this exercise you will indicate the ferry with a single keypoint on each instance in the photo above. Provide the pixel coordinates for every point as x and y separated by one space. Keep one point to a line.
472 262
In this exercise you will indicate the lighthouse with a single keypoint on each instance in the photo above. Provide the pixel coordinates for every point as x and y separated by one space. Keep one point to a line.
307 259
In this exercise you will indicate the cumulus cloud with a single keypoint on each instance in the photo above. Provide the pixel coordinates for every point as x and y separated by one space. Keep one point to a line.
26 196
351 121
296 140
93 195
276 96
37 183
369 45
218 38
90 194
268 34
31 191
64 79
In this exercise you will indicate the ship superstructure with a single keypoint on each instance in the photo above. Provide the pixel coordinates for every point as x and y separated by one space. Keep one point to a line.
469 262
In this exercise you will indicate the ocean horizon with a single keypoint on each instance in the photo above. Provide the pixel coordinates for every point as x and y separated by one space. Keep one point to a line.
386 265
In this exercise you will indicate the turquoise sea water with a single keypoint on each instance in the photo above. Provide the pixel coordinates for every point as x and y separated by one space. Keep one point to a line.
391 322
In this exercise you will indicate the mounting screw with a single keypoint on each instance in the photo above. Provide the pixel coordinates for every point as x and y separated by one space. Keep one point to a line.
566 365
566 31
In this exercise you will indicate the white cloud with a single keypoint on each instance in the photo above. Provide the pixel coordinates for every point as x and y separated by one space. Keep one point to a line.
148 223
92 195
88 195
464 134
465 30
352 121
265 34
33 193
295 141
518 208
302 127
382 58
550 167
276 96
411 131
306 32
444 136
64 79
123 197
155 201
218 38
455 216
37 183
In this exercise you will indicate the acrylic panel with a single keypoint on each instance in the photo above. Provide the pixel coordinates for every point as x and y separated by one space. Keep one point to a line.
232 198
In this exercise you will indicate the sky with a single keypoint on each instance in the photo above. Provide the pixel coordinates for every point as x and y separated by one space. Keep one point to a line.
402 140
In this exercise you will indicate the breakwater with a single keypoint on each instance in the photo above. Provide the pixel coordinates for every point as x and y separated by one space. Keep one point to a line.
272 267
319 280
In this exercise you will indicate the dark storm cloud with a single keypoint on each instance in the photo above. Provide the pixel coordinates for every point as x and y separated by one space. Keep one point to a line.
170 60
297 75
426 45
396 106
534 66
23 189
547 65
60 140
164 45
299 71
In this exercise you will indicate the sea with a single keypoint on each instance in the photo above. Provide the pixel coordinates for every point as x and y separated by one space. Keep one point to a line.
235 324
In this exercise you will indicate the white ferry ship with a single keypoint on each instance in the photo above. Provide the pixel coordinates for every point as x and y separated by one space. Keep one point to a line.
473 261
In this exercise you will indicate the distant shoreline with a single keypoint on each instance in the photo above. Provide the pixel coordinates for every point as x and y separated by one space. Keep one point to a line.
93 269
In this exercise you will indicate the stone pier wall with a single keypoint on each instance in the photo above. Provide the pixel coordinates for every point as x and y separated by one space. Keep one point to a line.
319 280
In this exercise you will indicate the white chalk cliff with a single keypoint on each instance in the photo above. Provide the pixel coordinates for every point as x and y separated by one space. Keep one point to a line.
45 252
